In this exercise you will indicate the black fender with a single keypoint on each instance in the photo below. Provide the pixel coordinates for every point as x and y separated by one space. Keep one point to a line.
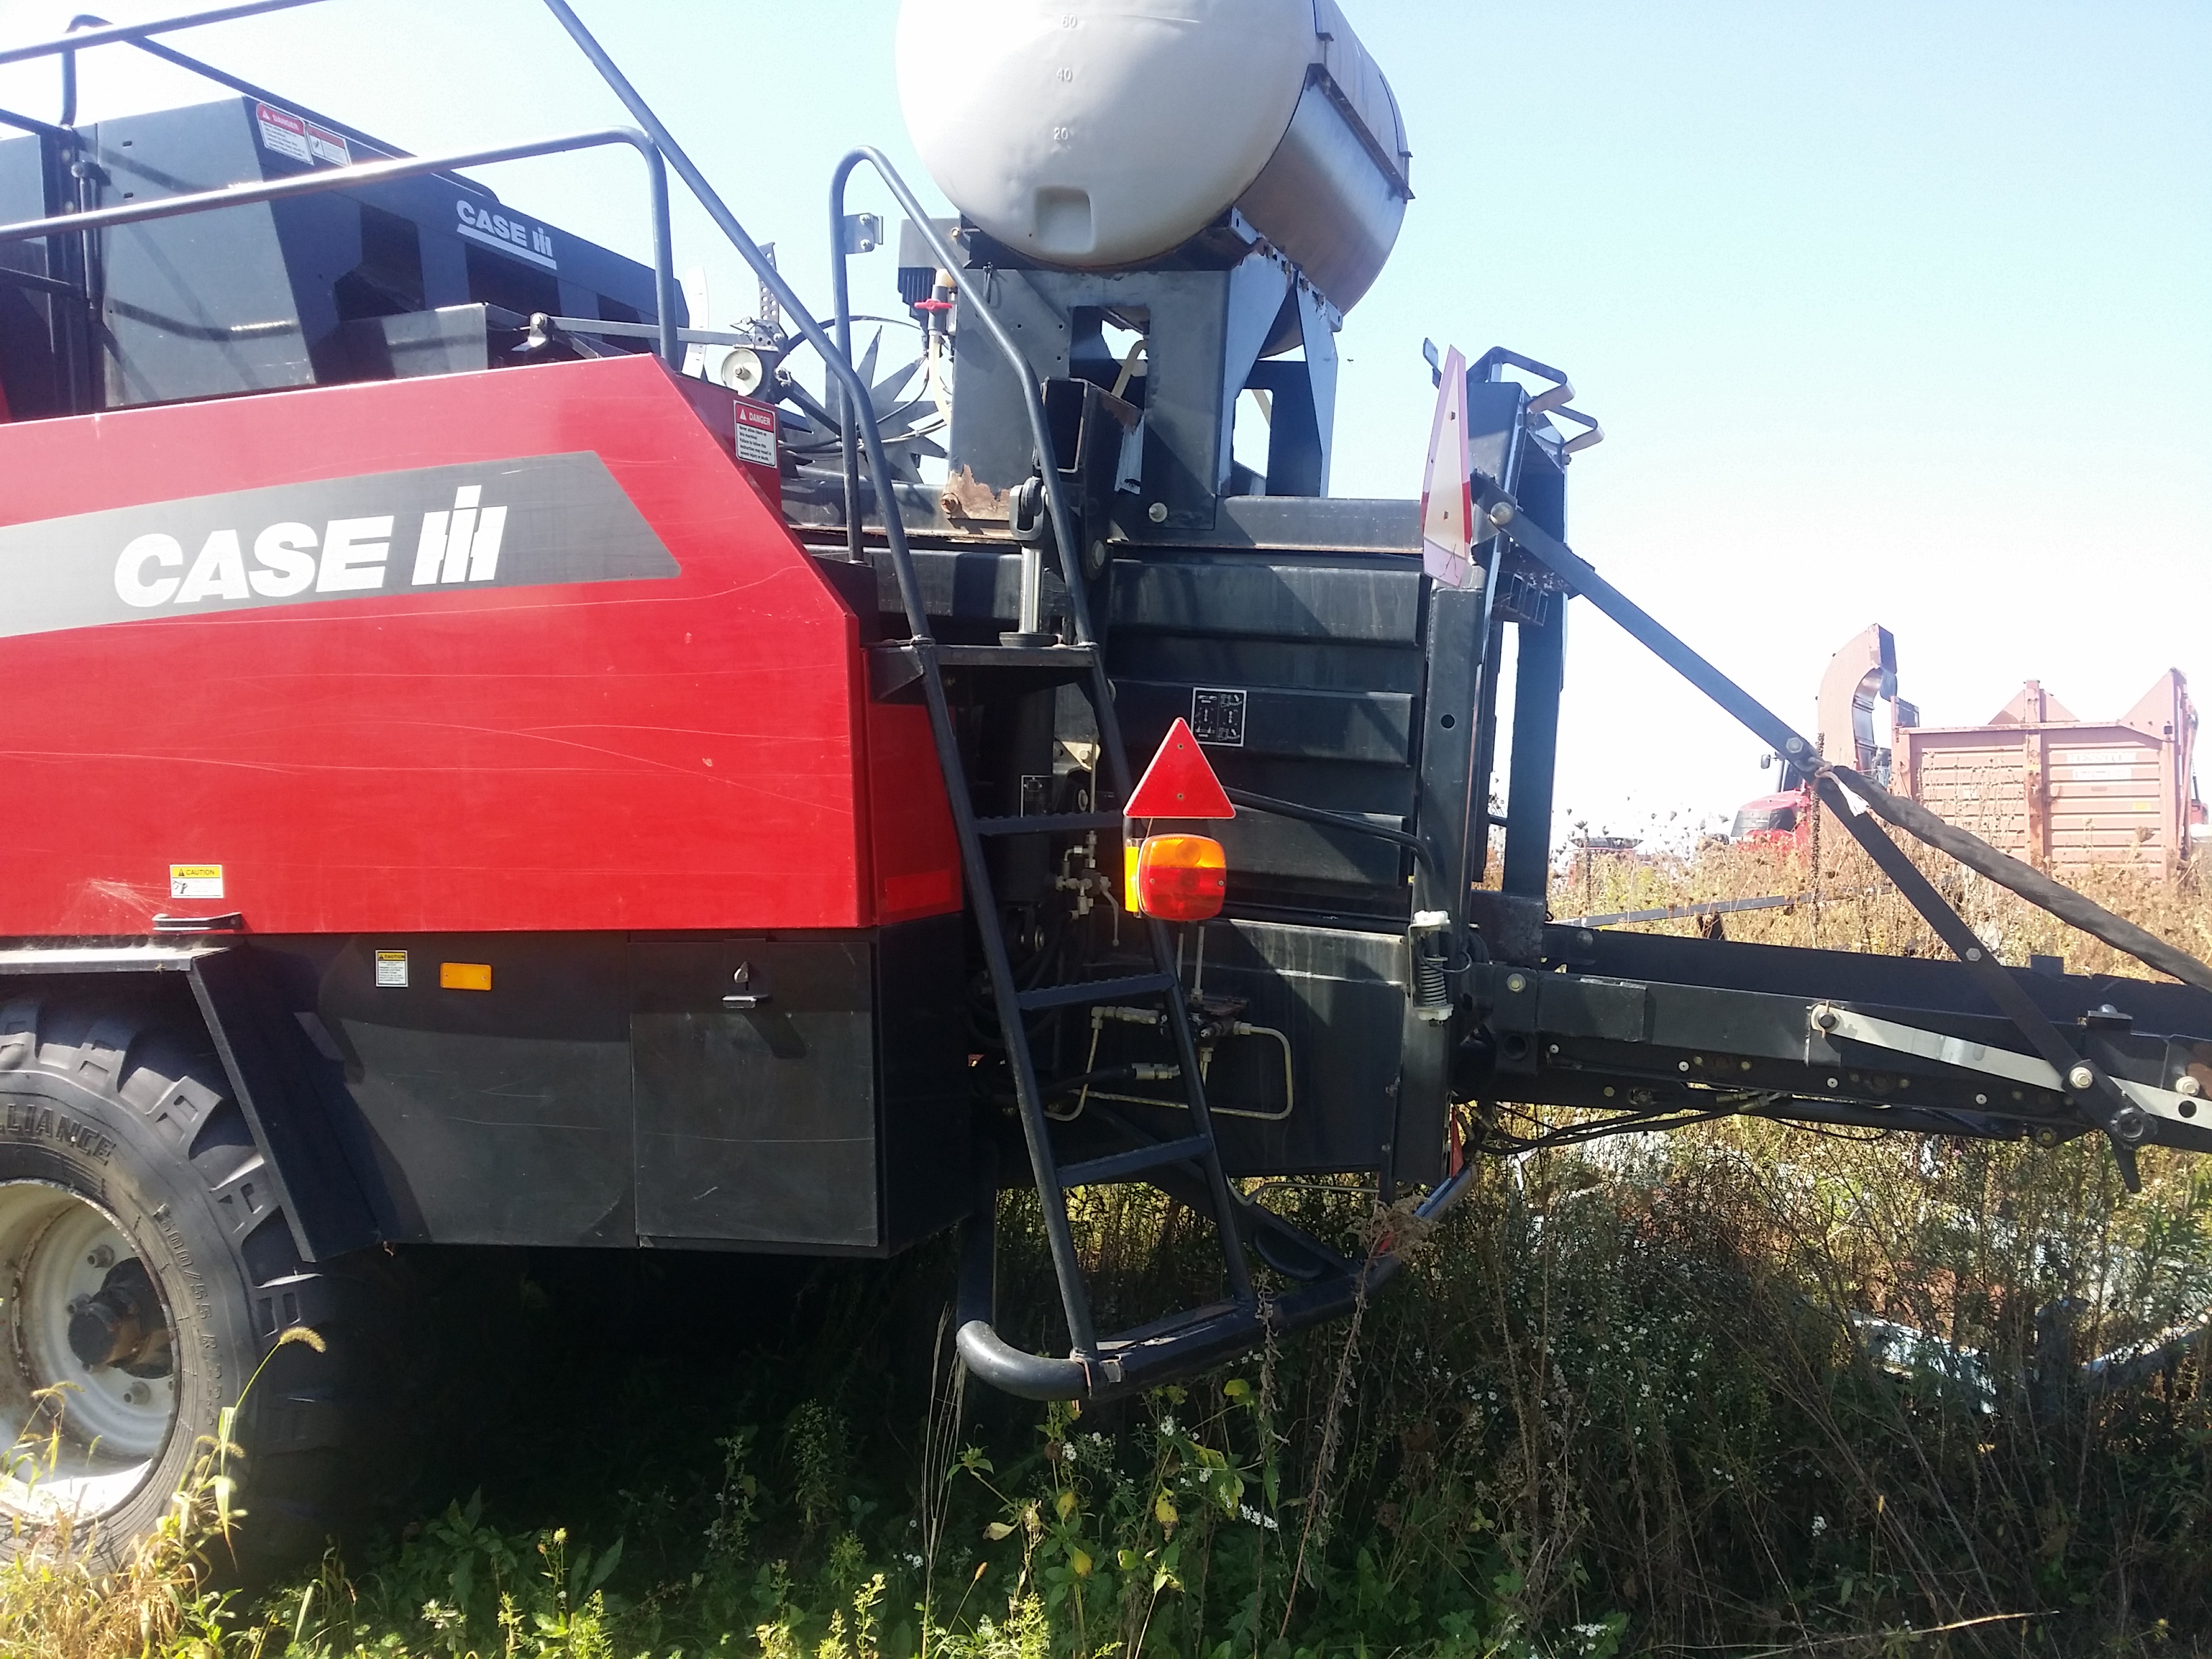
283 1086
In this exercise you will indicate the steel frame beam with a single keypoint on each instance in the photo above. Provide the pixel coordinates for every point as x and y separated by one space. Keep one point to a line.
2093 1089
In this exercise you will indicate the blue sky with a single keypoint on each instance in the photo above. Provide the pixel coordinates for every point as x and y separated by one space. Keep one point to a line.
1895 313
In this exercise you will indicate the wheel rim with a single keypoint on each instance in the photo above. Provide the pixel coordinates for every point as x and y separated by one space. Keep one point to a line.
87 1376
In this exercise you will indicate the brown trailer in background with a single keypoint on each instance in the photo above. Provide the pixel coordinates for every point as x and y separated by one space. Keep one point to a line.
2060 791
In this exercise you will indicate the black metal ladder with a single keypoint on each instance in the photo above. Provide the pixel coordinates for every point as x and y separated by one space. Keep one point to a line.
1081 660
1196 1153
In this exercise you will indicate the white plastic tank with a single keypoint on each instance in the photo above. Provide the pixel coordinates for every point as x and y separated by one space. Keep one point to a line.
1098 134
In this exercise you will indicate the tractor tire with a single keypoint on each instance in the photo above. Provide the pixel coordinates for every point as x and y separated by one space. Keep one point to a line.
147 1280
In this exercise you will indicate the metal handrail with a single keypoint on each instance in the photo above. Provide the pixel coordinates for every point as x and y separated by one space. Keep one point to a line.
654 142
9 118
371 173
100 37
208 71
1039 427
838 364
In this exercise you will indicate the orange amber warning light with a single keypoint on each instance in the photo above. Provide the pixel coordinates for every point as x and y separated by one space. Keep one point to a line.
1180 878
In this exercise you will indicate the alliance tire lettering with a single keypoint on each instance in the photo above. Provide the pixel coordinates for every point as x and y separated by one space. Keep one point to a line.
34 1120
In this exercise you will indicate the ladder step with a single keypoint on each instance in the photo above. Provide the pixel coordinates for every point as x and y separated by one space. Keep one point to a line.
1050 823
1099 990
1071 657
1120 1166
894 667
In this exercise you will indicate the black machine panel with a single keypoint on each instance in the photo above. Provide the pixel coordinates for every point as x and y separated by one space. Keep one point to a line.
499 1117
275 295
759 1123
596 1089
1305 1078
37 342
1303 675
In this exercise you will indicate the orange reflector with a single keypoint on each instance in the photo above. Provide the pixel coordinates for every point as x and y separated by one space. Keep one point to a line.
464 976
1180 878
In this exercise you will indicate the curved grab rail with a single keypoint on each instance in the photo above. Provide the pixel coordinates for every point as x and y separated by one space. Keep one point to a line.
837 364
370 173
1163 1355
1039 427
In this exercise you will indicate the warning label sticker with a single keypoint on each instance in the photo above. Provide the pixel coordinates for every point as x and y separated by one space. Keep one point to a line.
392 970
1217 715
196 881
283 132
756 432
327 146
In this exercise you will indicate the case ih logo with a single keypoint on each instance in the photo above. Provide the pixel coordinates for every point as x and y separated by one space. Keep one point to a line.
349 557
537 521
517 236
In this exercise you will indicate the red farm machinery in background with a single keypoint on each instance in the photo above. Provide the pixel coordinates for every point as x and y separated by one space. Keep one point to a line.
2034 780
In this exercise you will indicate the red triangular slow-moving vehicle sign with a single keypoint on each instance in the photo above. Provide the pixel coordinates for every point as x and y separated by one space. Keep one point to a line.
1179 782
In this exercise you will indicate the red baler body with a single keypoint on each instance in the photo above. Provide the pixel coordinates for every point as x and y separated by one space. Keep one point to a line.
692 751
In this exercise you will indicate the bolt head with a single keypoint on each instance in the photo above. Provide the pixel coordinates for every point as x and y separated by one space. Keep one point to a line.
1826 1018
1157 512
102 1258
1501 515
2081 1078
1973 954
137 1395
1515 984
1794 746
2188 1085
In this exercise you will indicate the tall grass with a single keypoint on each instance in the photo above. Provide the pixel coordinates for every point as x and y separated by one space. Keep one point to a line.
1740 1390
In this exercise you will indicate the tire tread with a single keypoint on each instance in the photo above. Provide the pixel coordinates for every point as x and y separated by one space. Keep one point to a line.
315 1416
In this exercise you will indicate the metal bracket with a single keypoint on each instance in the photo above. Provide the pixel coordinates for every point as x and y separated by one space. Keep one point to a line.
2087 1085
1829 1021
1832 1022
